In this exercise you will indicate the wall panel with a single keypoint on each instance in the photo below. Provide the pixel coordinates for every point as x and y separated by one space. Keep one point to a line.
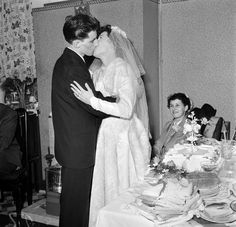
49 44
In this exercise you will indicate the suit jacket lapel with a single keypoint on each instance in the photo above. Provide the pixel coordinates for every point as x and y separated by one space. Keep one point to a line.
75 58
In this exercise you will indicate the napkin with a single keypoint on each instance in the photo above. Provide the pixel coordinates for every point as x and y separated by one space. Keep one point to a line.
153 191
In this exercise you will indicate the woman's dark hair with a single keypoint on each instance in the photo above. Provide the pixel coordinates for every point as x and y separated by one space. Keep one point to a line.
182 97
78 27
105 28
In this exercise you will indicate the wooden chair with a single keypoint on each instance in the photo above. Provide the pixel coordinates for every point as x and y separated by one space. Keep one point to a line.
19 182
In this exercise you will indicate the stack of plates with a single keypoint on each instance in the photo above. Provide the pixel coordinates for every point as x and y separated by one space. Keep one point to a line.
166 210
219 213
218 206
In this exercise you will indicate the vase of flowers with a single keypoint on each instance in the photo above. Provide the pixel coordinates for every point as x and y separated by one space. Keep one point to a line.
192 127
20 89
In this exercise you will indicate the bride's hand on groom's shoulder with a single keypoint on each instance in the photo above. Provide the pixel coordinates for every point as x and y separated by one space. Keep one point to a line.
117 98
80 93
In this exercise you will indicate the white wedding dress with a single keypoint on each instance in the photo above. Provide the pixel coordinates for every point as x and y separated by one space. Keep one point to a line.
123 149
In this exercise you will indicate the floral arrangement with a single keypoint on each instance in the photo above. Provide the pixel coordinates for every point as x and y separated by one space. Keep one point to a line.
192 127
166 170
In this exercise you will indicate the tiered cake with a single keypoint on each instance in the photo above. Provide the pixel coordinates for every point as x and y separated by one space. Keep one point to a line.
203 157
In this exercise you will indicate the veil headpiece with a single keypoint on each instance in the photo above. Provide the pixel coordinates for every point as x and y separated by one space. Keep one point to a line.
124 49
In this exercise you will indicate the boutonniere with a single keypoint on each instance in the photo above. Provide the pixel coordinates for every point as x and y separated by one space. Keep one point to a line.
176 127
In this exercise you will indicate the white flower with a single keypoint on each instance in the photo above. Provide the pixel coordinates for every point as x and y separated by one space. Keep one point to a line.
118 30
191 115
196 128
155 161
192 138
176 127
204 121
187 128
192 127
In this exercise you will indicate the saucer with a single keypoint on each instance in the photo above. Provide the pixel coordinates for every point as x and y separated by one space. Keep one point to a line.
233 205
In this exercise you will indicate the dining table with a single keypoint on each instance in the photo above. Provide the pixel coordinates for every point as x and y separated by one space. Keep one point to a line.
118 213
121 213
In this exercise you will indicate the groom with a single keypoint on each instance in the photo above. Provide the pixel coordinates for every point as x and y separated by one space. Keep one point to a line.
75 123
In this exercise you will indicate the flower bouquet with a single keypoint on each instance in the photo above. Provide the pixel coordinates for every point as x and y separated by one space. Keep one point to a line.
192 128
159 171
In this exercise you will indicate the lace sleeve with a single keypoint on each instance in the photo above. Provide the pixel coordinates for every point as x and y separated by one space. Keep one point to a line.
126 92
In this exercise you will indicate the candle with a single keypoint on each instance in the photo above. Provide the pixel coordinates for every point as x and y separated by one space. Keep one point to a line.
224 133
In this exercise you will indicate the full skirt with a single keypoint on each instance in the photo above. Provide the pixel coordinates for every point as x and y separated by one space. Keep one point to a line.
122 157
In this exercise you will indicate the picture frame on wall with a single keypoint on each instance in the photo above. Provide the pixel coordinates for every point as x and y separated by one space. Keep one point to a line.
82 7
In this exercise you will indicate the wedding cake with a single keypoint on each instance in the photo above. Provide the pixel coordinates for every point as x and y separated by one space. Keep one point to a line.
172 200
193 158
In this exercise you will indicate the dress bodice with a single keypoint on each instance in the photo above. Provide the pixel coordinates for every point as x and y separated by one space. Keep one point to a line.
108 79
116 79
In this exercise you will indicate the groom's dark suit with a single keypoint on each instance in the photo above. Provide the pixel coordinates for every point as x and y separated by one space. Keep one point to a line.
76 126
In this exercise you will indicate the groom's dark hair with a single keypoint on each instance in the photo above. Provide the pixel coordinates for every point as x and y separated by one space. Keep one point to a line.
78 27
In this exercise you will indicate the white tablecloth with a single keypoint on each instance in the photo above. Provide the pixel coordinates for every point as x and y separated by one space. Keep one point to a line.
37 213
117 214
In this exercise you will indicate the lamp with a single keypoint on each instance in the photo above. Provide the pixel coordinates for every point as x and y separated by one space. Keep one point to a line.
82 7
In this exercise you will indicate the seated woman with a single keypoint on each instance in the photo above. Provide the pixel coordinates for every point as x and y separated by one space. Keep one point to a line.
172 133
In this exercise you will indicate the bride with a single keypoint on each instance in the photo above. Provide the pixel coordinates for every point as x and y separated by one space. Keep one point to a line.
123 150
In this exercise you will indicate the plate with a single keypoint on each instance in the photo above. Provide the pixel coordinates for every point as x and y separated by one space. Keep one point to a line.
219 219
233 205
